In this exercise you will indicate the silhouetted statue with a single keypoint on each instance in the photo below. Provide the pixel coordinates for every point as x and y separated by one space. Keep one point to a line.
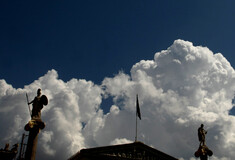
35 125
201 135
38 103
7 154
203 151
15 148
6 148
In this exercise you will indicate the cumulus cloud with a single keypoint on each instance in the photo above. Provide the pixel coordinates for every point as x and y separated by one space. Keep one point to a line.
71 104
182 87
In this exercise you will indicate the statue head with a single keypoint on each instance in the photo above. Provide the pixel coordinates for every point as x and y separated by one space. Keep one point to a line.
39 92
202 125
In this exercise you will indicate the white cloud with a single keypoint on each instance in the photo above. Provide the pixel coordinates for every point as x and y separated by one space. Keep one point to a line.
70 104
181 88
120 141
45 140
178 90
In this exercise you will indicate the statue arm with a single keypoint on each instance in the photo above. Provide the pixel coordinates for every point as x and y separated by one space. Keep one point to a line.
31 101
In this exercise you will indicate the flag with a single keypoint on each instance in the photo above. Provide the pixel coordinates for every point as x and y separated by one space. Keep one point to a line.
137 108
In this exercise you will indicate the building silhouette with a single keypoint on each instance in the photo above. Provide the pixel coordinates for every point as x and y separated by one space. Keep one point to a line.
131 151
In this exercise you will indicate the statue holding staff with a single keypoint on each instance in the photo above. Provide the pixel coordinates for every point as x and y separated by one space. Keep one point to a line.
38 103
35 124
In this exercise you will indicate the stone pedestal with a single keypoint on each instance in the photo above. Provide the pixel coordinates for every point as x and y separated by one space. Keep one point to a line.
203 152
34 127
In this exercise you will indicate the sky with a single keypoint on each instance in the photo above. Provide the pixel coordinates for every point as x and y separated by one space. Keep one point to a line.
91 58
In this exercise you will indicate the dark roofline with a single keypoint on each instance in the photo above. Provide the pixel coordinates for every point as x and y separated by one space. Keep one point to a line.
120 147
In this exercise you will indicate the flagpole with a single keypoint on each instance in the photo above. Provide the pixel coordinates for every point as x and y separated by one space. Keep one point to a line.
136 126
137 114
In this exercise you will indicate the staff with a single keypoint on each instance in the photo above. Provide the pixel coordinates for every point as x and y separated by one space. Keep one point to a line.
28 104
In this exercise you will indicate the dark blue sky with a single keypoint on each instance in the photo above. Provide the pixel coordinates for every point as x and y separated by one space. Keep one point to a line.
94 39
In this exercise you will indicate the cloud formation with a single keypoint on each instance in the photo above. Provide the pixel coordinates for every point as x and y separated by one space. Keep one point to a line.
182 87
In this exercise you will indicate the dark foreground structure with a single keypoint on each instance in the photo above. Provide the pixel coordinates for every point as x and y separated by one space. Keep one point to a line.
6 154
132 151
